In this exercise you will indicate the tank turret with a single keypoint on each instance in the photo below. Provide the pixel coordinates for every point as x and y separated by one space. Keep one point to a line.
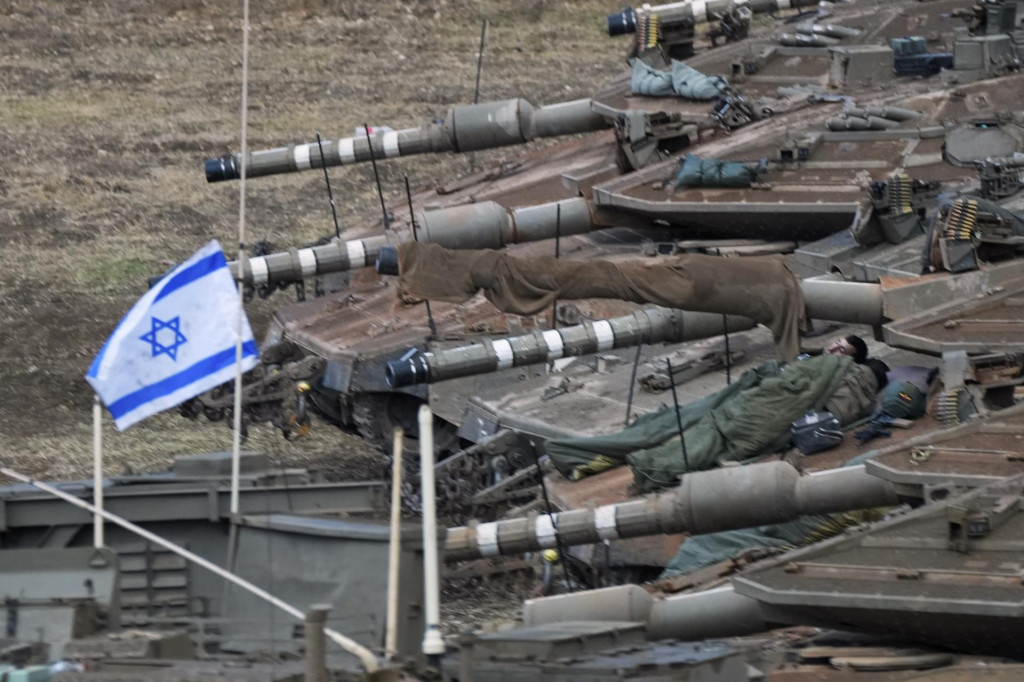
932 575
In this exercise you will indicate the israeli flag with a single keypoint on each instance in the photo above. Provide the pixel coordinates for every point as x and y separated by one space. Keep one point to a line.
176 342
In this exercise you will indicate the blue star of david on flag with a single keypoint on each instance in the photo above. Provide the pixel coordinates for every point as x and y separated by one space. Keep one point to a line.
151 337
190 316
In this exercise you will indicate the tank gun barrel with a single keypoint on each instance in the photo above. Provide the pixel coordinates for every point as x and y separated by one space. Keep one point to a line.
700 11
295 265
853 302
649 325
772 493
465 129
484 225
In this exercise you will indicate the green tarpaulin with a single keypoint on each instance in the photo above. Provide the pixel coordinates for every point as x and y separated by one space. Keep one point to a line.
749 419
698 172
682 80
690 83
650 82
704 550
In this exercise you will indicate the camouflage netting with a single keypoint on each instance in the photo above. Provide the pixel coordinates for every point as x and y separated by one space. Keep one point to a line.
742 422
698 172
682 80
759 288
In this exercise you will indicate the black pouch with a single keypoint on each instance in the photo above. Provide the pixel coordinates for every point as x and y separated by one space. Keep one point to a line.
815 432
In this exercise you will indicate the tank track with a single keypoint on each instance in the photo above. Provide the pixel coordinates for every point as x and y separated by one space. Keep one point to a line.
484 481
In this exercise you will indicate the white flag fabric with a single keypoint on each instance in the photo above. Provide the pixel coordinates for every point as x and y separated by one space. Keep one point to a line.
176 342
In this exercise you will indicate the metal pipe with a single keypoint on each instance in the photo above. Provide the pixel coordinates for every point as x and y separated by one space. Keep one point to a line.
853 302
395 546
433 645
316 649
97 470
465 129
773 492
365 656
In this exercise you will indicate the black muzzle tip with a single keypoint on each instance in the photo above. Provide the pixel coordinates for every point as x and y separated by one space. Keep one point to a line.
387 261
407 371
218 170
622 22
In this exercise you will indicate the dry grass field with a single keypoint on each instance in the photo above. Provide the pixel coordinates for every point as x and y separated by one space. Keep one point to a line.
107 110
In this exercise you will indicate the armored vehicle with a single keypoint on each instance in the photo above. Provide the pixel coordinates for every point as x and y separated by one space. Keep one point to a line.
813 148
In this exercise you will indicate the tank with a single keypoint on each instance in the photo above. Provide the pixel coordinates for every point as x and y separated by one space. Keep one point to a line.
845 202
877 581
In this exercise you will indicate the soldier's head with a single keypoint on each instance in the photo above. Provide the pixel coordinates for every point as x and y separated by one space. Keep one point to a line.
852 346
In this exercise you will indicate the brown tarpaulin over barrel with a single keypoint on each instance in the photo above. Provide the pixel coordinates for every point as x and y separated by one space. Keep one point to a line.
759 288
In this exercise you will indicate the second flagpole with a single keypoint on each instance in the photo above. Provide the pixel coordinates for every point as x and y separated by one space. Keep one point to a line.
236 443
97 470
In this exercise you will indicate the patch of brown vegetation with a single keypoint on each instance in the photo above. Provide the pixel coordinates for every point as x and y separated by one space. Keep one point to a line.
107 111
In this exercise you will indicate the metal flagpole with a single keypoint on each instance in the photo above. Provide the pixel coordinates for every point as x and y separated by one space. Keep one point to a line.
433 644
395 546
236 441
97 470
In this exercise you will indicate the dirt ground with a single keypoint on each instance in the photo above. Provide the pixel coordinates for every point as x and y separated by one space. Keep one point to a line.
107 110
